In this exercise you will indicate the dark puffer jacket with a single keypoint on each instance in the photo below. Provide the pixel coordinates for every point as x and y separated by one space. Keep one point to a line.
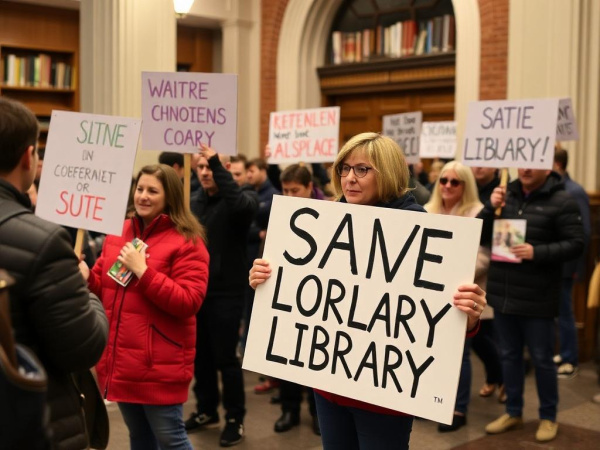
53 312
554 229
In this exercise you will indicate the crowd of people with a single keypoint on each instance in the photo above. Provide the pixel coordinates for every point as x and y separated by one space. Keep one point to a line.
183 313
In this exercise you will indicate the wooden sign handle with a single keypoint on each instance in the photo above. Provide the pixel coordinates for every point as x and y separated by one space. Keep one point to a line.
503 183
79 242
187 172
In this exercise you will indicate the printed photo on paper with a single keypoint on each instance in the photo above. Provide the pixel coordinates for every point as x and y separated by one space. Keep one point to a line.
507 232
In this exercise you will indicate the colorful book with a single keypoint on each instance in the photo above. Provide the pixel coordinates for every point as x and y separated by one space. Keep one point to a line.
119 272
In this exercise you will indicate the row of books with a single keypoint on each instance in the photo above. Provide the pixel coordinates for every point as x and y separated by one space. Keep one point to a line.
42 71
405 38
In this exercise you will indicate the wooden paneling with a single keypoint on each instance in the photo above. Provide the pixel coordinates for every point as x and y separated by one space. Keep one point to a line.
587 319
39 26
195 49
363 112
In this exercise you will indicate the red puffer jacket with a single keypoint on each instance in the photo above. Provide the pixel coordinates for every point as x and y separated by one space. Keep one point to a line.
149 358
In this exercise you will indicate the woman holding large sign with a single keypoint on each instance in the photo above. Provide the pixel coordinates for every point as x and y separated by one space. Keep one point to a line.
371 170
149 362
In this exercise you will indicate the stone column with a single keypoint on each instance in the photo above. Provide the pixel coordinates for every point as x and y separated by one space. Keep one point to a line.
119 40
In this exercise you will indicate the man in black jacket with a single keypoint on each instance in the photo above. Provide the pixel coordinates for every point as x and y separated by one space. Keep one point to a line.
525 296
226 210
52 311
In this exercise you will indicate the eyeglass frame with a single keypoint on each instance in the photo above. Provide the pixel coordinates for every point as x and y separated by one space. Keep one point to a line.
454 182
340 169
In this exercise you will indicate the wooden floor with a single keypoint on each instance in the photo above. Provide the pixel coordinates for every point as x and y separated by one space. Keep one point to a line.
578 417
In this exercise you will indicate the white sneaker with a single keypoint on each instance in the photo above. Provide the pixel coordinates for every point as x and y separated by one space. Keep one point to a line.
557 360
567 371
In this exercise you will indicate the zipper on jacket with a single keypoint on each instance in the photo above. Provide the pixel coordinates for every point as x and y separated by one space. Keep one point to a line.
114 349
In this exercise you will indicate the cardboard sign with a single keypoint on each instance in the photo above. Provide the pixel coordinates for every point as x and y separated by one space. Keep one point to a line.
511 133
181 110
307 135
438 140
566 128
87 170
405 129
359 303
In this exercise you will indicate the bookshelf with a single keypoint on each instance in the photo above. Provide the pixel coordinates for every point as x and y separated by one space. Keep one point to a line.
382 84
39 59
368 30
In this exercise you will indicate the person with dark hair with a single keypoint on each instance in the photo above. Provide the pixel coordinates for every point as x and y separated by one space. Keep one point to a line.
370 169
297 181
484 343
174 160
238 169
148 365
573 271
526 296
52 310
226 210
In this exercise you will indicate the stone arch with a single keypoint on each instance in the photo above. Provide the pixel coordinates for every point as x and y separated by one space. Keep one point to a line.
302 48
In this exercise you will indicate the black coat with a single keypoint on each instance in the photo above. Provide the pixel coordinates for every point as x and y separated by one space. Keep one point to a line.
554 229
52 311
227 216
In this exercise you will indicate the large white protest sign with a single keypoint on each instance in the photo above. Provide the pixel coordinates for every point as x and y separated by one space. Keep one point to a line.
511 133
182 110
438 140
405 129
87 169
359 303
566 128
307 135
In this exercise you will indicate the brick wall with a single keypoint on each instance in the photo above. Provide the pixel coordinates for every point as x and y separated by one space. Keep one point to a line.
271 16
494 49
494 54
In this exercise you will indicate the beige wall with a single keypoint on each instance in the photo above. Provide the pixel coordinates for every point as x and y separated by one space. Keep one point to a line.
554 51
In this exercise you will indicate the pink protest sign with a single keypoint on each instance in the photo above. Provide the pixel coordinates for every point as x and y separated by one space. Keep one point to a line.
182 110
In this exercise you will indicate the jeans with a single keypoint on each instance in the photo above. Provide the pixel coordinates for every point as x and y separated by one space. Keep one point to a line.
153 427
291 397
218 326
567 332
514 332
464 382
485 347
348 428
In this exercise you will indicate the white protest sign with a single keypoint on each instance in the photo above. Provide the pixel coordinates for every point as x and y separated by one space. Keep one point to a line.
511 133
181 110
306 135
438 140
566 128
405 129
87 170
359 303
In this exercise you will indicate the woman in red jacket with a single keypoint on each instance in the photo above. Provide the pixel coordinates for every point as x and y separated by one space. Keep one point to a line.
149 361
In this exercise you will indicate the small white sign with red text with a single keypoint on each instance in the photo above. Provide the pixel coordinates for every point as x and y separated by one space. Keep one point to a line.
306 135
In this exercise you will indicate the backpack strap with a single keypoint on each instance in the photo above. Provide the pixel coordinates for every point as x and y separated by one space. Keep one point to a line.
10 209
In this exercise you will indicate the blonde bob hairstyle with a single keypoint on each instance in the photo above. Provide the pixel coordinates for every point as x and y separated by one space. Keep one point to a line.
470 197
387 159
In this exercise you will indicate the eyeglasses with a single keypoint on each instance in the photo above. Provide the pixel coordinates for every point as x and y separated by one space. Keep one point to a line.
453 182
359 171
